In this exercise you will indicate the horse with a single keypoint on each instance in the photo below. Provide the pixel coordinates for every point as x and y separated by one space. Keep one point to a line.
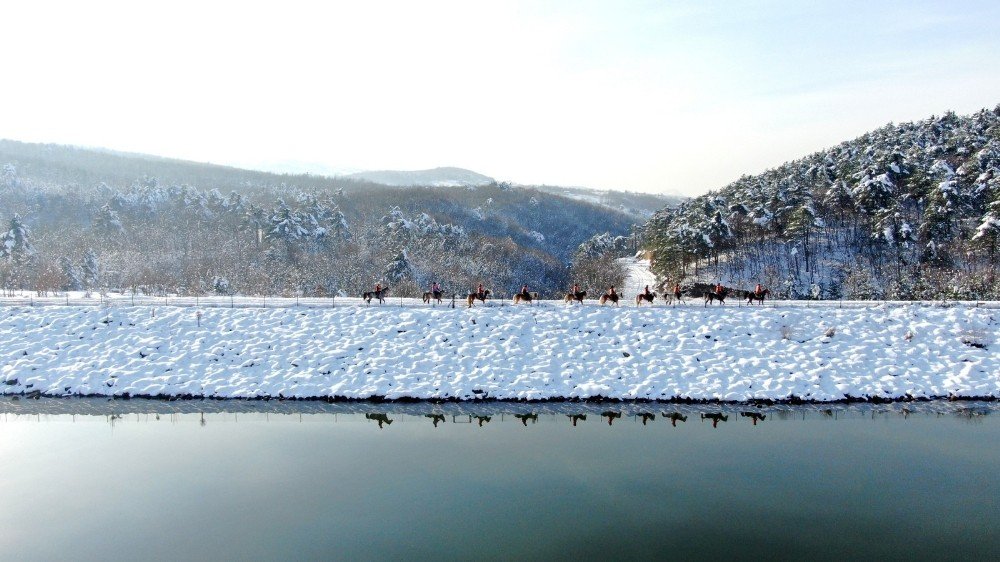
754 416
524 296
378 295
481 296
759 297
644 297
613 298
436 295
577 296
669 297
711 296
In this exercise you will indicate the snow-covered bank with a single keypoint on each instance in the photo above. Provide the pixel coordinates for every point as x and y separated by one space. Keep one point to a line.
524 352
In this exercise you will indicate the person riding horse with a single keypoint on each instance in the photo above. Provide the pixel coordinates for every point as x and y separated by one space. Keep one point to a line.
480 291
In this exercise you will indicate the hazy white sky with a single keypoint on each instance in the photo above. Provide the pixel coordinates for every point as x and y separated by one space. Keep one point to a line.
662 96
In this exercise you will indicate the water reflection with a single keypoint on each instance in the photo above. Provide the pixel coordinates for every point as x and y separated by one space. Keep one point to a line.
383 415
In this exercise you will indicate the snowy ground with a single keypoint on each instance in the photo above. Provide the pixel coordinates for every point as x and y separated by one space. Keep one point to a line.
523 352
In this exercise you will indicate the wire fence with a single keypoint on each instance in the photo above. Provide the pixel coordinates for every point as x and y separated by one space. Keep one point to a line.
449 301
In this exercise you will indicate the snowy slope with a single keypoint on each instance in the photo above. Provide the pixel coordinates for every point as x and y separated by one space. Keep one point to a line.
524 352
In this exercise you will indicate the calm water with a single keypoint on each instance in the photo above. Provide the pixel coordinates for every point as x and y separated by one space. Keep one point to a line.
97 480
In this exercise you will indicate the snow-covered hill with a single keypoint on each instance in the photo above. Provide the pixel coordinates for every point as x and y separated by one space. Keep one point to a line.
441 177
523 352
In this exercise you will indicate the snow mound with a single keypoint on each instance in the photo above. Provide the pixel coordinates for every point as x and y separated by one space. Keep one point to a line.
526 352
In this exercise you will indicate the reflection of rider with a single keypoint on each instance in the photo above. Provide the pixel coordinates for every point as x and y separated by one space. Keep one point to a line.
677 289
479 290
646 292
524 289
378 287
435 288
758 289
611 291
576 288
718 289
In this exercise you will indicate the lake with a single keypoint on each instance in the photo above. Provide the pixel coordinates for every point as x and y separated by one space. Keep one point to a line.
91 479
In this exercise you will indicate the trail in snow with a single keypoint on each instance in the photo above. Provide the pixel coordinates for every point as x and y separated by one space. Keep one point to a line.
639 275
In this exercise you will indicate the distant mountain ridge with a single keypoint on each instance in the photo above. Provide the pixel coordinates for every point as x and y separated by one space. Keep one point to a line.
436 177
156 224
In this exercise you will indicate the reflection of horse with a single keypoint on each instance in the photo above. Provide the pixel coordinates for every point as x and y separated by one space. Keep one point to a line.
436 295
481 296
716 418
712 296
644 297
759 297
755 416
380 418
525 417
647 417
435 418
612 416
613 298
674 417
483 419
576 417
577 296
525 296
378 295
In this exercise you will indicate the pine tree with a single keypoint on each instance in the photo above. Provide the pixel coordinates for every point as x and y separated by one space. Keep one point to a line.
71 275
399 269
91 270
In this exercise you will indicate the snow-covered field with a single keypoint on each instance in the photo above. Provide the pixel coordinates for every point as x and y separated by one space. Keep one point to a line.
511 352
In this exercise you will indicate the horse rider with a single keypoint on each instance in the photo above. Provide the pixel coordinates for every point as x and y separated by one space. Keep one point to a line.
719 289
524 289
435 288
677 290
646 292
758 290
576 288
480 291
378 288
611 291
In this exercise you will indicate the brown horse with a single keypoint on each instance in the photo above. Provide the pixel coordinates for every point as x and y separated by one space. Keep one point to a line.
712 296
436 295
613 298
644 297
759 297
525 296
481 296
577 296
377 295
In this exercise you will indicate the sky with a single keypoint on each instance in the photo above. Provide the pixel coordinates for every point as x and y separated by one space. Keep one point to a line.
662 96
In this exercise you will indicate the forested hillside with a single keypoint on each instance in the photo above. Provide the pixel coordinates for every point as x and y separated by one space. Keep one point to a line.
909 211
79 219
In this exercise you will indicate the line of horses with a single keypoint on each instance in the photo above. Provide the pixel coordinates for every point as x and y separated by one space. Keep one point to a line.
609 416
703 291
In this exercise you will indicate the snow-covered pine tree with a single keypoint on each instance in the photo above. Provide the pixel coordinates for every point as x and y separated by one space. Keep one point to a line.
71 275
91 270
